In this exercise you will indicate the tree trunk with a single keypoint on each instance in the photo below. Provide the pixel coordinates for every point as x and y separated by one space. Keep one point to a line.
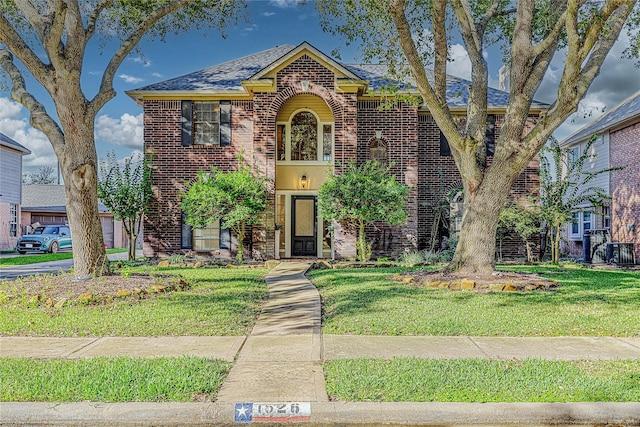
78 160
475 252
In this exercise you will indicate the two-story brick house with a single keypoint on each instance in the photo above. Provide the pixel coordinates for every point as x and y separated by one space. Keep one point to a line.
617 146
296 115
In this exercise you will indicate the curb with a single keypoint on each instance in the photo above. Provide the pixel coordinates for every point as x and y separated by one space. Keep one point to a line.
325 414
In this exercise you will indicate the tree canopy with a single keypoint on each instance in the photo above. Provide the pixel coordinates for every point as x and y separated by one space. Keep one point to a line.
363 194
235 198
414 37
125 188
49 40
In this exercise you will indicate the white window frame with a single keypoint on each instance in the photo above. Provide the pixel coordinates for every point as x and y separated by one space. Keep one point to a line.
581 222
209 233
204 128
319 144
13 220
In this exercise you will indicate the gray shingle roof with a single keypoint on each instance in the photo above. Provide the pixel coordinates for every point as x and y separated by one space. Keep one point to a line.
229 76
47 198
8 142
223 77
626 110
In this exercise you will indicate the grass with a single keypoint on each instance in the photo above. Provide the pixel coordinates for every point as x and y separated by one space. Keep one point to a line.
588 302
44 257
121 379
477 380
220 302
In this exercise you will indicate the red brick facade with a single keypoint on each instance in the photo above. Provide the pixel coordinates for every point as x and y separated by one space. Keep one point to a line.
413 146
625 186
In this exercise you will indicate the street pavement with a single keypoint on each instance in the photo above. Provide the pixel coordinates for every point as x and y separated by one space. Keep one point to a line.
277 378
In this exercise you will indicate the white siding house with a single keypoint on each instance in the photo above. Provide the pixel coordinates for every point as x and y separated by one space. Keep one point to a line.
10 190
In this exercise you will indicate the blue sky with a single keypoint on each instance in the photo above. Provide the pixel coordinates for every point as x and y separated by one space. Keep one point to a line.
272 23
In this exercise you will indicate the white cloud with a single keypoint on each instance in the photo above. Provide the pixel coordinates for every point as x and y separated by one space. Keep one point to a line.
250 28
618 79
130 79
16 127
158 75
127 131
459 63
268 14
285 3
140 60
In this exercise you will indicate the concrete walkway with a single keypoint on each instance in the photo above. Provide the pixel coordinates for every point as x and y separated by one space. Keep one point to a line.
280 364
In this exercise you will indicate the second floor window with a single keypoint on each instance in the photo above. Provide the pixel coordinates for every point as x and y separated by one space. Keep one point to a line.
206 123
304 138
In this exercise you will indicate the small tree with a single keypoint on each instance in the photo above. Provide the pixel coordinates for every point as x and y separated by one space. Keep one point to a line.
564 187
45 175
361 195
523 217
234 198
126 190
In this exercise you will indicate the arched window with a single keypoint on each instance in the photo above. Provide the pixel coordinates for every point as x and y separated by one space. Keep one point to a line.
378 151
304 136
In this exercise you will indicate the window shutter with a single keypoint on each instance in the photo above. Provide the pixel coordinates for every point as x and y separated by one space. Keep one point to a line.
225 238
490 135
445 150
186 124
186 234
225 123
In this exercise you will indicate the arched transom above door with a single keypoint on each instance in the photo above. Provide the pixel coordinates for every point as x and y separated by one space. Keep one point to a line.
304 133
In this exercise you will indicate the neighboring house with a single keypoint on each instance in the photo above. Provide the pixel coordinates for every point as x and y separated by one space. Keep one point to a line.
617 145
295 114
46 204
10 190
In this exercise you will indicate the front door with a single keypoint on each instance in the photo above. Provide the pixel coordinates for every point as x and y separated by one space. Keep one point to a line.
304 226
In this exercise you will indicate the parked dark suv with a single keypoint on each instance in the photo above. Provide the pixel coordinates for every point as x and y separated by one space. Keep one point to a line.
47 238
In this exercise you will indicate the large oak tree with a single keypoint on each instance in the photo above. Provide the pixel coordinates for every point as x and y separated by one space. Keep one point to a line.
48 39
414 36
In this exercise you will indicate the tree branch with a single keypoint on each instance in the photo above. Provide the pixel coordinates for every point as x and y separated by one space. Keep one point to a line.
95 15
39 118
10 37
37 21
52 43
106 91
439 10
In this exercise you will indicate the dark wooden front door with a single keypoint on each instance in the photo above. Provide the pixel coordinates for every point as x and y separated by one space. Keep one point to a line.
304 226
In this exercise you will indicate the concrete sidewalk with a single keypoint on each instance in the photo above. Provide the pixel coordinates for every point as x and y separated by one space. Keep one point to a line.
280 365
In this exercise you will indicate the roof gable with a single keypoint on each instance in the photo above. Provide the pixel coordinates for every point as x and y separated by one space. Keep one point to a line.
5 141
305 48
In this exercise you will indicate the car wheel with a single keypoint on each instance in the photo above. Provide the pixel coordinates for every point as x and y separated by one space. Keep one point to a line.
22 252
54 248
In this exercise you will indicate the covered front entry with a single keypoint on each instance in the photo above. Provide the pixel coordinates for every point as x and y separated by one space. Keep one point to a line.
304 230
304 159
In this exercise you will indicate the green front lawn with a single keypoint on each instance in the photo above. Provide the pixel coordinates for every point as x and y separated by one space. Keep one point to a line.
119 379
219 302
44 257
588 302
477 380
